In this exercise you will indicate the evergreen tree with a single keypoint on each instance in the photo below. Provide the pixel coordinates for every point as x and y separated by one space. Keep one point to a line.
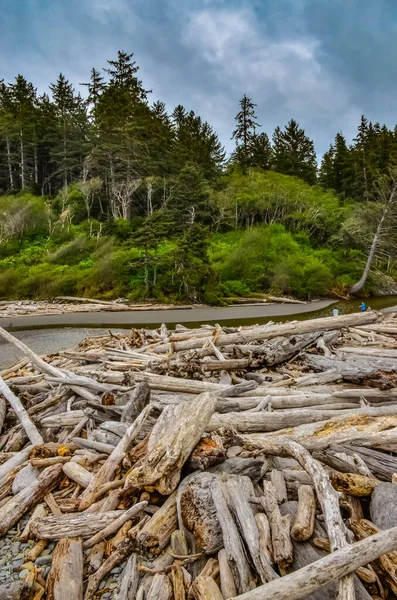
245 131
23 106
123 75
95 87
190 199
260 151
293 153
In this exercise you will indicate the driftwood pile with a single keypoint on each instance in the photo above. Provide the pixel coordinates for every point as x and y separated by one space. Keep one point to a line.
249 463
70 305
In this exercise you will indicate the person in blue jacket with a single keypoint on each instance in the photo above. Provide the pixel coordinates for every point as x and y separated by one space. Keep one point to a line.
363 306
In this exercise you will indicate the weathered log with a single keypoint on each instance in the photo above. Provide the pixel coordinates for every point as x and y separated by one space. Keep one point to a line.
3 410
24 478
206 454
266 422
38 512
240 490
354 484
130 579
139 398
83 525
278 481
228 586
157 532
279 526
160 588
15 508
96 557
231 539
16 405
94 445
254 468
266 332
118 556
109 468
77 473
198 511
174 436
303 526
65 579
334 566
15 591
205 588
115 525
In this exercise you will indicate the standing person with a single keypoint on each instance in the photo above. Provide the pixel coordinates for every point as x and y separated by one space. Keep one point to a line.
335 312
363 306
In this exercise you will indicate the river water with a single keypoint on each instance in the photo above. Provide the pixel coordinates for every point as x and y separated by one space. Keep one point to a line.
59 332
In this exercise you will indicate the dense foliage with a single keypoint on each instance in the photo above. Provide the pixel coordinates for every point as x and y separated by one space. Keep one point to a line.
110 194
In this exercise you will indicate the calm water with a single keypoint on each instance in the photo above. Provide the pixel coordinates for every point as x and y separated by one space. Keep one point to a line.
47 339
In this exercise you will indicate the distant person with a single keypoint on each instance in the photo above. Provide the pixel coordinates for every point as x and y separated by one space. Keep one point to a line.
335 312
363 306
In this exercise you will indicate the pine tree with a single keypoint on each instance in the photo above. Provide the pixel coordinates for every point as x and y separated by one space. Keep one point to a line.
95 87
190 198
8 132
260 151
123 75
326 172
245 130
293 153
23 107
67 139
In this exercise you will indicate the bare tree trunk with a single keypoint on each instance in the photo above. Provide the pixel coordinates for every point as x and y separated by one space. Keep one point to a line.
360 284
36 166
9 164
22 161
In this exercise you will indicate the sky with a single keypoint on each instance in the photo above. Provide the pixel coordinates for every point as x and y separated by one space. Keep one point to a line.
321 62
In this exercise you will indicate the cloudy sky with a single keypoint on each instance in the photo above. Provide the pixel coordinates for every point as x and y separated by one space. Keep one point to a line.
322 62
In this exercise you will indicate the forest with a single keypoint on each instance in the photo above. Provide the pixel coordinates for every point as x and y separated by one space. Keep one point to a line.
107 193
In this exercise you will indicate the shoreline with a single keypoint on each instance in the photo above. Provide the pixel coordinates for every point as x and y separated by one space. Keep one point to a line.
130 318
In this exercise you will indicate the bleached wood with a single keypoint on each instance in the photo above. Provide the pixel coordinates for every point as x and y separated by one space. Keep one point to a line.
240 490
231 539
303 526
279 526
65 579
15 508
157 532
77 473
285 329
107 471
115 525
265 537
160 588
334 566
176 433
205 588
278 481
15 461
130 579
22 415
139 398
83 525
228 586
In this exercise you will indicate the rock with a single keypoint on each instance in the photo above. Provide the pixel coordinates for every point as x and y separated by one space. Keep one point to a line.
29 566
383 506
43 560
23 573
24 478
15 548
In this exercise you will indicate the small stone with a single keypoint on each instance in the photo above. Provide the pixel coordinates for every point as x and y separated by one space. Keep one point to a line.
116 571
46 552
43 560
47 570
29 566
15 548
23 574
102 585
25 545
113 586
17 563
